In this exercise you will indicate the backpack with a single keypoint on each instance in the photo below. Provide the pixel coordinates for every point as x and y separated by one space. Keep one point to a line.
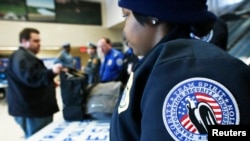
74 95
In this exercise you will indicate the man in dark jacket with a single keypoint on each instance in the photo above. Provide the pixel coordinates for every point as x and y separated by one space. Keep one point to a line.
182 85
31 88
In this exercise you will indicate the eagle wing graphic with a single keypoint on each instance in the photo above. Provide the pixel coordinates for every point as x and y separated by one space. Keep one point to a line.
201 115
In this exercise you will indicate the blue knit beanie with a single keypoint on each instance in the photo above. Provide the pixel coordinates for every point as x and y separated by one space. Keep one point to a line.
173 11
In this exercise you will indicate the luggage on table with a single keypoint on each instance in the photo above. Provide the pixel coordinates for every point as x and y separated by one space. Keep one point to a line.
83 102
102 99
73 92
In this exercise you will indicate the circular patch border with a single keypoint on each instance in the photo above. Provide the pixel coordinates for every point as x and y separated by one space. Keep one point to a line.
178 129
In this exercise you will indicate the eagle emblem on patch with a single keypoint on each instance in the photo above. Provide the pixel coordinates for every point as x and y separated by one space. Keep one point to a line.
194 104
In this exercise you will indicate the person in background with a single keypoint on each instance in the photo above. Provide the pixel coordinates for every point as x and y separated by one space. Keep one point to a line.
2 79
182 85
218 35
129 61
65 58
31 94
111 64
93 65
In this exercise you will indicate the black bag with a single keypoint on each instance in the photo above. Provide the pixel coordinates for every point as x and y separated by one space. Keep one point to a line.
74 95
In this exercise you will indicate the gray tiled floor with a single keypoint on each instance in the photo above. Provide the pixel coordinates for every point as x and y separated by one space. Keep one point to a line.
9 130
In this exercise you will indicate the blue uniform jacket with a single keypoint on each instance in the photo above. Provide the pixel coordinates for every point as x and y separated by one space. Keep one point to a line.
181 87
66 59
31 88
111 67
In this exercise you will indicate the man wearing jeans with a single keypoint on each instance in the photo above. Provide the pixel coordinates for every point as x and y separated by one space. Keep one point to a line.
31 89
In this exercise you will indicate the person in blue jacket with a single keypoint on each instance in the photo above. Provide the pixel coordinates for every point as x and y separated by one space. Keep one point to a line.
182 85
129 61
111 64
65 58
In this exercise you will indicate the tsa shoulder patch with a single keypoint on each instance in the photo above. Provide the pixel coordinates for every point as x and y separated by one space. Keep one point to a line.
195 103
119 61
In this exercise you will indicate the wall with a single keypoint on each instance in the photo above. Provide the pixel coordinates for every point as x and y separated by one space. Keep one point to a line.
113 13
53 35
